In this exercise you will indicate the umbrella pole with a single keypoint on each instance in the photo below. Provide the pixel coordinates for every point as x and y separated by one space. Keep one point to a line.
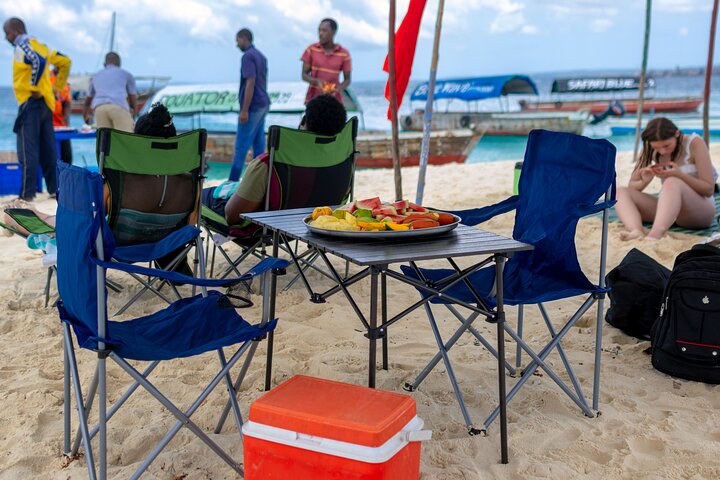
643 74
708 75
393 104
427 116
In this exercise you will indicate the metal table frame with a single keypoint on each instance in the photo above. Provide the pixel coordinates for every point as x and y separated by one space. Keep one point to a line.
376 258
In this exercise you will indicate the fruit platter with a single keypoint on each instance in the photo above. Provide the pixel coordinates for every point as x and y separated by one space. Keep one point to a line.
372 218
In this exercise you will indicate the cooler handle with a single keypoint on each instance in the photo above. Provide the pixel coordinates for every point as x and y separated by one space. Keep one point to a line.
418 435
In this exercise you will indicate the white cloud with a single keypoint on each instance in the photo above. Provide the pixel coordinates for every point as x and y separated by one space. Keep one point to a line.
683 32
601 25
682 6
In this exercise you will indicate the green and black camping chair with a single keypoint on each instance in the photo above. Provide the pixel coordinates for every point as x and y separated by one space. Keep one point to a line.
304 170
153 190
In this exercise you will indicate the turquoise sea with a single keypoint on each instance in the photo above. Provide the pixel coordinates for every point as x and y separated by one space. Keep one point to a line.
370 95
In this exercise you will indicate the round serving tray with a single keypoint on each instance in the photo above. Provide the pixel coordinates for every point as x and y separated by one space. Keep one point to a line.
386 235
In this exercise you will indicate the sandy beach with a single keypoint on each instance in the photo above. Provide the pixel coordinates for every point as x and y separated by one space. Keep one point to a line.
651 425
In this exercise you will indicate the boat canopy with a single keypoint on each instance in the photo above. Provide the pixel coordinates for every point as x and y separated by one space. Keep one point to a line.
285 97
478 88
599 84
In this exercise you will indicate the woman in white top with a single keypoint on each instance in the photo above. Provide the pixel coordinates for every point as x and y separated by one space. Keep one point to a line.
682 162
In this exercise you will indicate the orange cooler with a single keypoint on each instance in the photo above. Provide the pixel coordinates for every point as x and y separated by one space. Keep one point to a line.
309 428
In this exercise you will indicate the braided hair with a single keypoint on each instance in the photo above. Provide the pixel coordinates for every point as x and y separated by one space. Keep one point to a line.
156 123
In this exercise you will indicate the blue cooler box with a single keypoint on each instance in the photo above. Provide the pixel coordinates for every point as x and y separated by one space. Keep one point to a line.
11 179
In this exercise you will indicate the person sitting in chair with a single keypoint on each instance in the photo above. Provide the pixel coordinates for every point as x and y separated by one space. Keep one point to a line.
324 115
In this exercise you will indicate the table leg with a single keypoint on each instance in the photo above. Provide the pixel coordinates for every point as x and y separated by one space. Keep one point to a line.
372 354
271 314
383 309
499 268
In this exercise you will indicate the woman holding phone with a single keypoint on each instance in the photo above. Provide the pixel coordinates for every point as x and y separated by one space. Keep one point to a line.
682 162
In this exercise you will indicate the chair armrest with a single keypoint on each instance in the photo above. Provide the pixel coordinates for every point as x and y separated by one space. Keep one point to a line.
475 216
146 252
211 215
263 266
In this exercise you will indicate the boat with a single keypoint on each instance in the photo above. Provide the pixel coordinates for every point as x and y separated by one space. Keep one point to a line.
215 108
472 90
570 88
147 86
686 123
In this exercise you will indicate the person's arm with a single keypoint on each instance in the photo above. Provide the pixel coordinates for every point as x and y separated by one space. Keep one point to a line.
307 76
247 98
132 104
62 65
703 184
66 110
132 95
347 73
87 114
640 178
237 205
32 58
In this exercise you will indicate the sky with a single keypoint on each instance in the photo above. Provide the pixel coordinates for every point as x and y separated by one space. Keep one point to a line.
193 41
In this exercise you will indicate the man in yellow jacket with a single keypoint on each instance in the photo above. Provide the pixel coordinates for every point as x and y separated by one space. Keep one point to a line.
35 95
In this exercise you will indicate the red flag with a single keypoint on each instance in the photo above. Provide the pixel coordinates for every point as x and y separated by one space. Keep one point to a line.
405 42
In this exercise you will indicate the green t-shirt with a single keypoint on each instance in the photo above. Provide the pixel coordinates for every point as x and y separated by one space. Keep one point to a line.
254 183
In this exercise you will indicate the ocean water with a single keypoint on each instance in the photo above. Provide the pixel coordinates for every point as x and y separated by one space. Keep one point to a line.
370 95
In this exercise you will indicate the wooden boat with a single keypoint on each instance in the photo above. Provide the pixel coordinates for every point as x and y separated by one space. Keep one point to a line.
147 87
568 99
493 123
487 122
687 124
374 148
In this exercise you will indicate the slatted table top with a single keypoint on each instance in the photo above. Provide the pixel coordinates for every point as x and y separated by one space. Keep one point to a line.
460 242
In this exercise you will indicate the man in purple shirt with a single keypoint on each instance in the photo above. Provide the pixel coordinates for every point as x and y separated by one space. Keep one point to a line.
254 103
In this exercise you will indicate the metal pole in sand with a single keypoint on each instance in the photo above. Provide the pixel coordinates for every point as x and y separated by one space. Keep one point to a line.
393 104
643 73
708 75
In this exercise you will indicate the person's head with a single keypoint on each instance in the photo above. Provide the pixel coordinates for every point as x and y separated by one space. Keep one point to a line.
661 137
324 115
156 123
244 39
112 58
326 31
13 27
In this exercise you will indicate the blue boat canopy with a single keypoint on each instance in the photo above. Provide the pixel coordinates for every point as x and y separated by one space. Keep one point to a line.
478 88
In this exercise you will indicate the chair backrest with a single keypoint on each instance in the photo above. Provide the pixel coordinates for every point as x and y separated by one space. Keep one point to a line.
310 170
154 183
563 178
80 217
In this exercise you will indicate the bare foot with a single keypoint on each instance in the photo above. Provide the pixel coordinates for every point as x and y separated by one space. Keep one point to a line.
650 239
631 235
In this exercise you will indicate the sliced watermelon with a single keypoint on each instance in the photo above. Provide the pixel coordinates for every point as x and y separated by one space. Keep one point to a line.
417 208
368 203
401 206
384 210
393 218
350 207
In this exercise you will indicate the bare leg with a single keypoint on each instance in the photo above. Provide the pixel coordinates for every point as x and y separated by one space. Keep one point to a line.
634 207
679 203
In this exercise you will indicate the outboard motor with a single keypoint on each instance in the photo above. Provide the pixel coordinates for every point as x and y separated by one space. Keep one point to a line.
615 109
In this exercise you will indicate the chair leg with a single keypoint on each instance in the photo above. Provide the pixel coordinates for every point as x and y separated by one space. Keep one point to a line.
47 285
518 351
79 401
450 372
598 353
232 401
67 411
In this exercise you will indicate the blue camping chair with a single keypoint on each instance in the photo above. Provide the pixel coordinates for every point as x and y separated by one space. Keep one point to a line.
562 180
187 327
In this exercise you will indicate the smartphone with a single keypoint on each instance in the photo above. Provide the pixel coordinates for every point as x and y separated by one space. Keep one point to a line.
658 167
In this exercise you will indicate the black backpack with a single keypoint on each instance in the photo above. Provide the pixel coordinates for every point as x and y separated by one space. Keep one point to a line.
686 337
636 292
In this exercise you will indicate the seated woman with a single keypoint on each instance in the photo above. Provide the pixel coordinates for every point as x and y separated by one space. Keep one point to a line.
682 163
324 115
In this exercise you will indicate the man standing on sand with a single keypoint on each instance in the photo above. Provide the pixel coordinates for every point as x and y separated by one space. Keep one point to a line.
254 103
35 96
323 61
112 95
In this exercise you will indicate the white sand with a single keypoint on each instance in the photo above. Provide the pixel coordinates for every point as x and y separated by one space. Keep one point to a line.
651 425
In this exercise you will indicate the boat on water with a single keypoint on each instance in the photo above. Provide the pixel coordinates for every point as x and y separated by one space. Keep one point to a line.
571 95
204 105
470 91
686 123
147 87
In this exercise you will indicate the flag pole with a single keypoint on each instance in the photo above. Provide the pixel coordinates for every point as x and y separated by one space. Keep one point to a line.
708 75
643 74
393 104
427 116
